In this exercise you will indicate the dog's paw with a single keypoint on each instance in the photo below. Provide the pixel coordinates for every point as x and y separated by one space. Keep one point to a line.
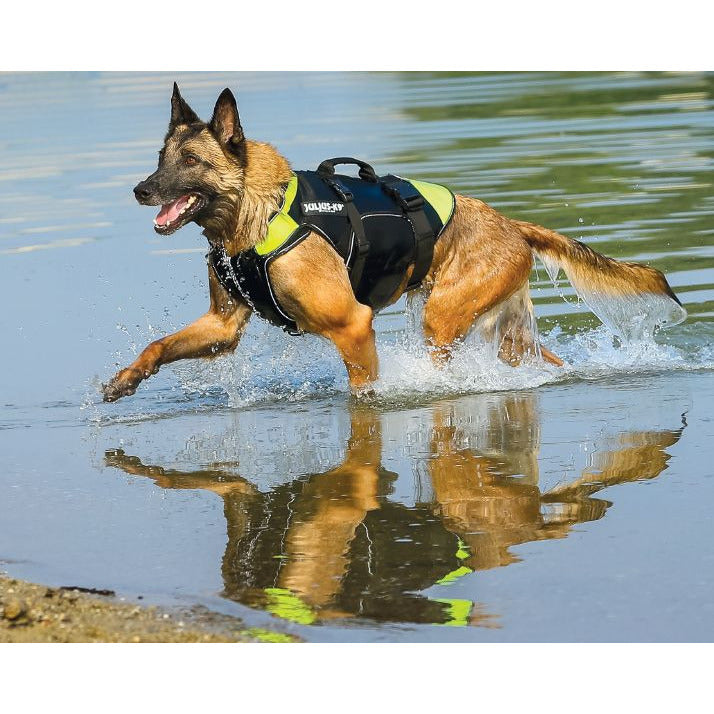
365 393
123 384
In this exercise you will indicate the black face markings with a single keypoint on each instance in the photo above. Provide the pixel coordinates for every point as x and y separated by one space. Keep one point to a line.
192 131
194 164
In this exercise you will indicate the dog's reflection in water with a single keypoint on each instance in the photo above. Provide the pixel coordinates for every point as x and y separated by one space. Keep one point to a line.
334 544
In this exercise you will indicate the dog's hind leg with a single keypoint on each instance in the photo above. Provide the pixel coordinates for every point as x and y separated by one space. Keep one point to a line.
480 275
548 356
459 298
511 327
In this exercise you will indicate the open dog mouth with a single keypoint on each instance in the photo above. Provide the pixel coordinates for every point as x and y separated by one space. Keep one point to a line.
177 213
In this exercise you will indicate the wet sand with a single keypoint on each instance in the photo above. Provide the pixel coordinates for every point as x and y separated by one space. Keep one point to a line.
37 613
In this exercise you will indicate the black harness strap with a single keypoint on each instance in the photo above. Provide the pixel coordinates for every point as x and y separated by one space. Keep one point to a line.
357 267
218 259
326 170
413 204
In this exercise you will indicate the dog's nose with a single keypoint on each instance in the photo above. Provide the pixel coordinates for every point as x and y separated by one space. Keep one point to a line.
142 192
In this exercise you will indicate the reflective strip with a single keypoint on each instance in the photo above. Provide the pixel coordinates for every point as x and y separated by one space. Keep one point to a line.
281 225
457 611
463 552
268 636
441 199
454 575
289 606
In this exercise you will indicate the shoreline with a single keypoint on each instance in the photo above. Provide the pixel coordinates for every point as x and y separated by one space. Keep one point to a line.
30 612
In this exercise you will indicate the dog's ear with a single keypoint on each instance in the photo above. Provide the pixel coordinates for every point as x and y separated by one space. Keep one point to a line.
181 113
225 123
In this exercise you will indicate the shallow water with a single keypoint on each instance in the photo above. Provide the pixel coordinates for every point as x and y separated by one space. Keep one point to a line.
476 503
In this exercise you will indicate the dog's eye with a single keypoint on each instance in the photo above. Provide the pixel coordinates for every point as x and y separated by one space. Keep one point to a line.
190 161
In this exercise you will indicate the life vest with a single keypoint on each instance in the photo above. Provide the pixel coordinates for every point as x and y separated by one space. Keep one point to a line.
378 225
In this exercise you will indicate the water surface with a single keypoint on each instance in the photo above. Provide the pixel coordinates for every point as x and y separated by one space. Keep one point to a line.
475 503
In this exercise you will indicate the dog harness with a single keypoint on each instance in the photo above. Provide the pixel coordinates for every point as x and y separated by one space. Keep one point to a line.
378 225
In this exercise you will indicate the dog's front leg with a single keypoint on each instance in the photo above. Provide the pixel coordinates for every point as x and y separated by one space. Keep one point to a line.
216 332
313 285
208 336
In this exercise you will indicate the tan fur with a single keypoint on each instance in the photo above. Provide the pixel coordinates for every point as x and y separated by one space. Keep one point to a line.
635 456
248 198
591 269
478 277
328 308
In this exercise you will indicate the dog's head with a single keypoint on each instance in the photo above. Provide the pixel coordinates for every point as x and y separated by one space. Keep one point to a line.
198 163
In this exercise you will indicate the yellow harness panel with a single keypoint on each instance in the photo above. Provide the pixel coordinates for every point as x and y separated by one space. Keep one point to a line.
440 198
282 225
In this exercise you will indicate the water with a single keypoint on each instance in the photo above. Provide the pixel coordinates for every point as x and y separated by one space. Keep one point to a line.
476 503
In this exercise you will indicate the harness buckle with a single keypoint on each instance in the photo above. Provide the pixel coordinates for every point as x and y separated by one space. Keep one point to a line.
412 203
344 193
406 196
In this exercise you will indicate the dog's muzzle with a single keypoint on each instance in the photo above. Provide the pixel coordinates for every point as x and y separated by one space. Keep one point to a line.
145 192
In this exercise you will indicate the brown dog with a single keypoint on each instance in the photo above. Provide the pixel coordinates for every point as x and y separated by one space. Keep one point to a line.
231 186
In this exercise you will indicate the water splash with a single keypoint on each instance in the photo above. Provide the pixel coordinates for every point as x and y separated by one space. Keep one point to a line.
271 367
633 317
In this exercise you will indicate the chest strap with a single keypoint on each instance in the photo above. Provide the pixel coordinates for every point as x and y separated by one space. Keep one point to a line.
246 275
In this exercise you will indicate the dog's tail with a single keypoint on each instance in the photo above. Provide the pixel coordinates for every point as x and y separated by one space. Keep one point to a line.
633 300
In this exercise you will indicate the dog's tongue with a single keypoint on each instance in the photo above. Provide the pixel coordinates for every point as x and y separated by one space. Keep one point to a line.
170 211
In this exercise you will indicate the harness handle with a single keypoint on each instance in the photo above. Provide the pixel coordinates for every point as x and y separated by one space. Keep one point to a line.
327 168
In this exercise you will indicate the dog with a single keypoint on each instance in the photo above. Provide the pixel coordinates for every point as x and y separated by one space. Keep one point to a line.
210 174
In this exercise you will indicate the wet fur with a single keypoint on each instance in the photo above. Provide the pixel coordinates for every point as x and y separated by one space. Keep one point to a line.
478 277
